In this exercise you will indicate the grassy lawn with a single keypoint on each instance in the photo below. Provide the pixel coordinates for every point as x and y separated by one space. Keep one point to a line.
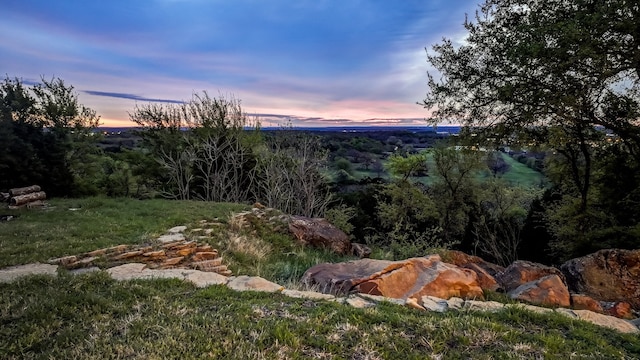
92 316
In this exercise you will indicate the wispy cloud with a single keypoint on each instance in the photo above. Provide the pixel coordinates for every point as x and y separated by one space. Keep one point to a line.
130 97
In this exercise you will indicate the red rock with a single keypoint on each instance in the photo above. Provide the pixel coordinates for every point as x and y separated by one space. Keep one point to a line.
200 256
608 275
186 251
173 261
461 259
549 290
99 252
205 248
64 261
522 272
117 249
84 262
319 232
584 302
411 278
155 254
207 265
619 309
485 280
128 255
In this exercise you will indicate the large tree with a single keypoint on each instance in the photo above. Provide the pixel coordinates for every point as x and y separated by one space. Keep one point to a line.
552 70
44 135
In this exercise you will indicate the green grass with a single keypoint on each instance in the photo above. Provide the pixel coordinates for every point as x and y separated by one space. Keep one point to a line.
522 175
92 316
36 235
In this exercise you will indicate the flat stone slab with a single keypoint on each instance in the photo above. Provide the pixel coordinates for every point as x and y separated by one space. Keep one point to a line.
133 271
311 295
177 230
358 302
11 274
253 283
171 238
611 322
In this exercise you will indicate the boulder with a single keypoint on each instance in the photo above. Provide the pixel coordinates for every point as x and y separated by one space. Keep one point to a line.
319 232
522 272
485 270
619 309
411 278
549 290
608 275
584 302
253 283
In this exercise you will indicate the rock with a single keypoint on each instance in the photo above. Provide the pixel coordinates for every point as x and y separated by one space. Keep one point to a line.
173 261
360 250
253 283
635 322
549 290
618 309
84 262
411 278
461 259
485 280
64 261
82 271
455 303
177 230
607 321
117 249
126 271
485 270
155 254
203 279
320 233
128 254
584 302
532 308
490 306
311 295
608 275
379 299
522 272
204 255
413 303
432 303
11 274
358 302
171 238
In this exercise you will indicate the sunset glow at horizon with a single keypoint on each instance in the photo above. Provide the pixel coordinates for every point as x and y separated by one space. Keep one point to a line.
347 63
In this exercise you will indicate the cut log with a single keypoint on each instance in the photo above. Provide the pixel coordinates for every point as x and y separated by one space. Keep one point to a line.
25 199
24 190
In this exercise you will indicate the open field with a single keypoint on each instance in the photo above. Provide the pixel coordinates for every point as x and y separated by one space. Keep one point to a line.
92 316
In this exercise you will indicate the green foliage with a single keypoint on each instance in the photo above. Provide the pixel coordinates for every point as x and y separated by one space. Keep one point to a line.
45 136
407 166
340 217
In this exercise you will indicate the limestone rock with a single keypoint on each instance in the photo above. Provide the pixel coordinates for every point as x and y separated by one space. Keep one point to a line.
584 302
203 279
411 278
358 302
253 283
311 295
490 306
127 271
607 321
549 290
522 272
171 238
11 274
432 303
608 275
177 230
455 303
532 308
319 233
379 299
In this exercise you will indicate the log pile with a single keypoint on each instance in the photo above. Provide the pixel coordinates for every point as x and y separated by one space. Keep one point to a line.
30 196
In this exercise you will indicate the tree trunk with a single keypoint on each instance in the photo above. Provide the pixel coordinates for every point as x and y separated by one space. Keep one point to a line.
24 190
24 199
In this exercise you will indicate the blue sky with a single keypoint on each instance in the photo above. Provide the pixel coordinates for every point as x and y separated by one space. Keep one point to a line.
349 62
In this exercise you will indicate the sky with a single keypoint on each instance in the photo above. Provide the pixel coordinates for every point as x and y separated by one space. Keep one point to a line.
314 63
